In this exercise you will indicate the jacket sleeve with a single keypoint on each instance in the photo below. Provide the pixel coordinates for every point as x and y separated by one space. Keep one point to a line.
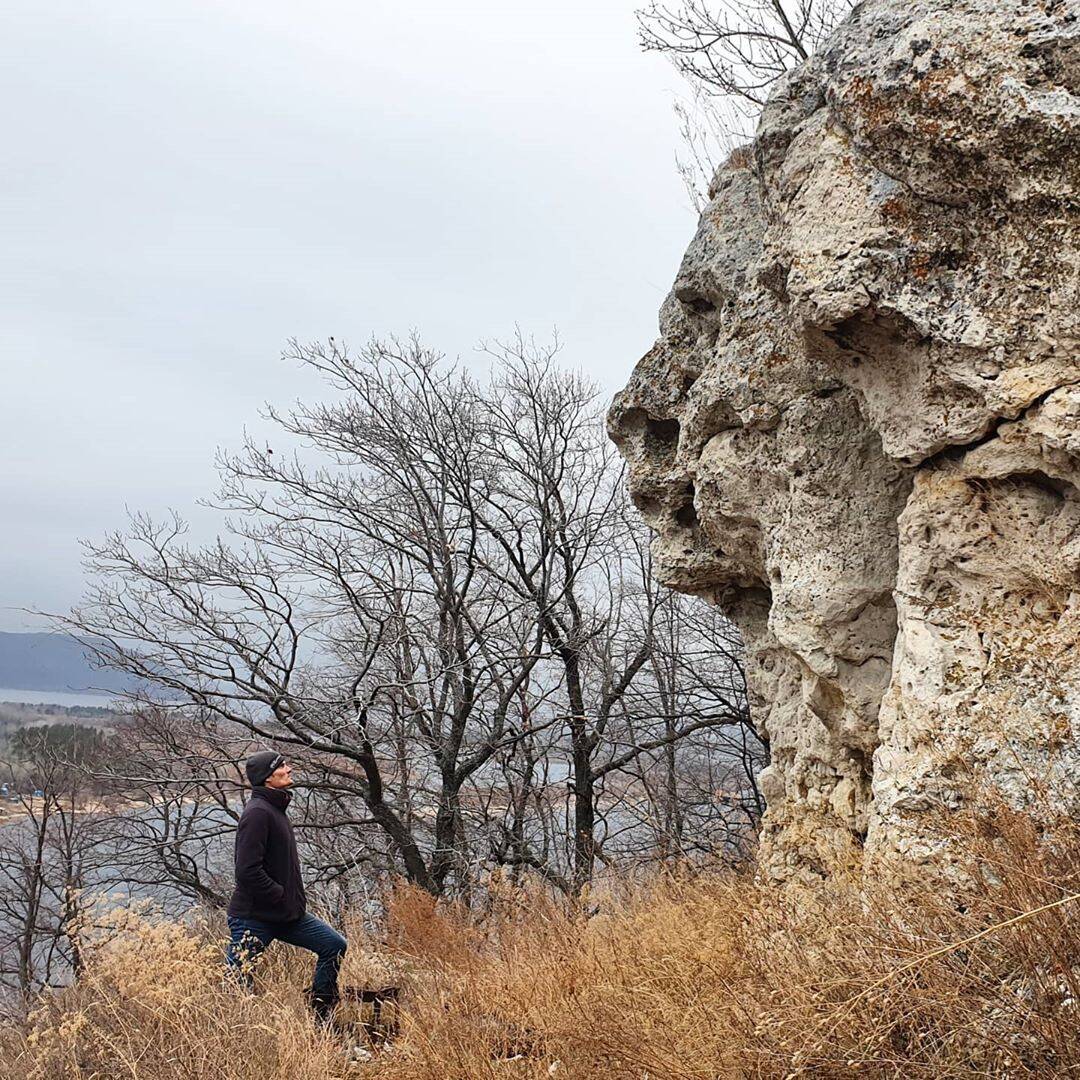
251 874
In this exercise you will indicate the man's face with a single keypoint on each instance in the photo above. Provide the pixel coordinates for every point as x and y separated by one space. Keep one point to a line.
281 777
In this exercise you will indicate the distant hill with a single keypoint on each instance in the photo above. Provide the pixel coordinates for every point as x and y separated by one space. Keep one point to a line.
52 662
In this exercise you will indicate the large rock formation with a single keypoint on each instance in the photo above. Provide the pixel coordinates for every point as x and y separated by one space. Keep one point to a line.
859 432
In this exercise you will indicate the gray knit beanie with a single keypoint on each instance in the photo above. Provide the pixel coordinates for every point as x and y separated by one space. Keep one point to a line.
259 766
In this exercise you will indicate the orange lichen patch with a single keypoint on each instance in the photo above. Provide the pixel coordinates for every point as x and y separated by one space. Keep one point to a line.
898 209
920 264
873 108
934 89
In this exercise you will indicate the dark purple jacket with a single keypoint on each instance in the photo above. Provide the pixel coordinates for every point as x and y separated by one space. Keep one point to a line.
268 883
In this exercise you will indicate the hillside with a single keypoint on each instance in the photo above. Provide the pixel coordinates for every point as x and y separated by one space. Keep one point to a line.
684 977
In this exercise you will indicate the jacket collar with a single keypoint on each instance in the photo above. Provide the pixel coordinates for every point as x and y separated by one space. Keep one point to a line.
278 797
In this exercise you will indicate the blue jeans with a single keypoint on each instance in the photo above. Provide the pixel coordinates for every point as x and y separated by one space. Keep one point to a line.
250 937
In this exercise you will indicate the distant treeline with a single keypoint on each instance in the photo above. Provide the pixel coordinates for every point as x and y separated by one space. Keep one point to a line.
21 714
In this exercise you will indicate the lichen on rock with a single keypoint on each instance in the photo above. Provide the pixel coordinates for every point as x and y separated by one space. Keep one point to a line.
859 431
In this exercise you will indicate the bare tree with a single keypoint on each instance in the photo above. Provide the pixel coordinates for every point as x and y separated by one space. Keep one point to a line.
738 48
50 847
699 791
177 779
731 52
575 551
440 607
358 605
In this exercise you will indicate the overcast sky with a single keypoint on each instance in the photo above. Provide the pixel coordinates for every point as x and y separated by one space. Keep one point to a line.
187 184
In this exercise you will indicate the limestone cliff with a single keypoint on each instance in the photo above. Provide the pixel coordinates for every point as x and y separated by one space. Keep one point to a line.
859 431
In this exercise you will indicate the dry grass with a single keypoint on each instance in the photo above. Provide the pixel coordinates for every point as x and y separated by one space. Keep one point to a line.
693 978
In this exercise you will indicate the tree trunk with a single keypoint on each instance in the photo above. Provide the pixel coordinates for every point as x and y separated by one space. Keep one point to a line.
584 806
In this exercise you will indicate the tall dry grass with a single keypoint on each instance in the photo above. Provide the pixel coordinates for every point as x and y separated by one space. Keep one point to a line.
692 977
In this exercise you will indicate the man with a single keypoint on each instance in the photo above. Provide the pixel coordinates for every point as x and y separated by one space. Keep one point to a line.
268 903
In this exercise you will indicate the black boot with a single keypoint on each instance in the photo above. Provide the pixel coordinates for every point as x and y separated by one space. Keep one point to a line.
323 1005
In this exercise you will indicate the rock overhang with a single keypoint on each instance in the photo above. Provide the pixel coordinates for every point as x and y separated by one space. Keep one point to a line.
866 373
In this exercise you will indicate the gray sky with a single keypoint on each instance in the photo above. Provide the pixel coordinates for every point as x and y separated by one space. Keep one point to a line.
187 184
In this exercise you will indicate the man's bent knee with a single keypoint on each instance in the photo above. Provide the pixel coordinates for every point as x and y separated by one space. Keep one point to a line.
336 945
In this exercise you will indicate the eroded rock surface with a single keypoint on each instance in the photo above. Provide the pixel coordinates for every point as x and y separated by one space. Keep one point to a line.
859 431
